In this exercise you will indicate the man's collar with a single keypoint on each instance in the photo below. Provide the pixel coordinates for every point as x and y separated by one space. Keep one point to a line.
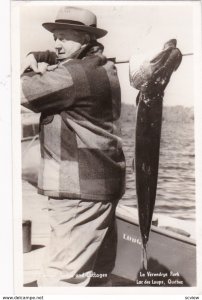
75 56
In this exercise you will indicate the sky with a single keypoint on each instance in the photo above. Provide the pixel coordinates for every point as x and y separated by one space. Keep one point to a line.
134 29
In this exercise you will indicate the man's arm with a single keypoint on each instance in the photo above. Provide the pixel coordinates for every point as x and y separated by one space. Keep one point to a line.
59 89
50 91
39 61
48 57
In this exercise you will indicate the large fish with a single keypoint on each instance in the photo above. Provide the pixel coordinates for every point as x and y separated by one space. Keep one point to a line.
147 145
148 134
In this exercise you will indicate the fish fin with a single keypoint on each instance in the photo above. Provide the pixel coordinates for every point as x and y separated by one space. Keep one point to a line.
144 258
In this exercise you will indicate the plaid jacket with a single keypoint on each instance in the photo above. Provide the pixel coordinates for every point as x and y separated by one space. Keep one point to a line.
81 151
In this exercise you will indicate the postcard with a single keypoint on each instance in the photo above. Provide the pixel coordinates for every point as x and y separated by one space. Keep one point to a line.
106 146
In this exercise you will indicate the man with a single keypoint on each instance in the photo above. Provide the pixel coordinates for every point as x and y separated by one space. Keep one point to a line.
82 168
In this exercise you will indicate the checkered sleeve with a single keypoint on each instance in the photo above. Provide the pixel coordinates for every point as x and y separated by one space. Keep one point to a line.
59 89
51 91
49 57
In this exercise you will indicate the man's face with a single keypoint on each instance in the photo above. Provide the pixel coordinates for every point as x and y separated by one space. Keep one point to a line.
67 42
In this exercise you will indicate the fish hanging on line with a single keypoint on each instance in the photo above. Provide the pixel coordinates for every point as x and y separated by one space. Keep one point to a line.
151 79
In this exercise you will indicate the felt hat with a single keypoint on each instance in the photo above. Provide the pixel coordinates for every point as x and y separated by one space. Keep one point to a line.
69 17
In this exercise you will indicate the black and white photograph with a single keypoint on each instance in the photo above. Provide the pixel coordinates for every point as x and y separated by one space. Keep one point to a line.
104 145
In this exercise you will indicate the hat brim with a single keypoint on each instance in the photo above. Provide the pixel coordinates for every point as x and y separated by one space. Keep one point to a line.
99 33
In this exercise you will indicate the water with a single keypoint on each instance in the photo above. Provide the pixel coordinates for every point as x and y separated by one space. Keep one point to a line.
176 183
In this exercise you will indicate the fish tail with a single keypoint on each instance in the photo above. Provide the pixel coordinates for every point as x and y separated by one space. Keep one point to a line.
144 257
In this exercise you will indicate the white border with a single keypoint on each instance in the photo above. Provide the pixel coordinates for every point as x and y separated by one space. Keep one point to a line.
198 135
6 223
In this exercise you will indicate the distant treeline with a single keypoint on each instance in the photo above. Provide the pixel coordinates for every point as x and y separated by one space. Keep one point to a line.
170 113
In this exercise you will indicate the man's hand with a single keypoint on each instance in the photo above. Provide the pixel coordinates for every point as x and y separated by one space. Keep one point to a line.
30 62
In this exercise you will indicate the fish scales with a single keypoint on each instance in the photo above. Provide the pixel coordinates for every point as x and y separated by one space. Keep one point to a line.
147 146
151 80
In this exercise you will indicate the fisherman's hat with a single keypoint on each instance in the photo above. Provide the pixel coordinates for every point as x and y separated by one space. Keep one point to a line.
76 18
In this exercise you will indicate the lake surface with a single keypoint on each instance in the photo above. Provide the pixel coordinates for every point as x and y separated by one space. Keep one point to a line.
176 181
